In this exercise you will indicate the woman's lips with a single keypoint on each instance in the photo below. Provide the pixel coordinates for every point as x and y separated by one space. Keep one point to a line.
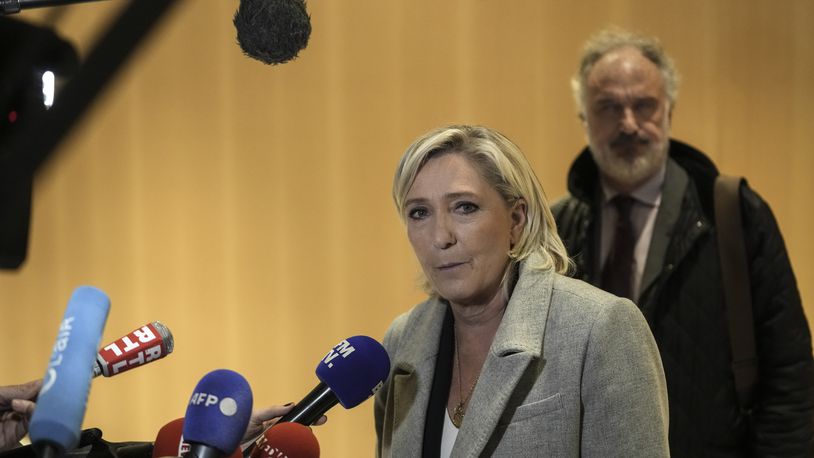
450 266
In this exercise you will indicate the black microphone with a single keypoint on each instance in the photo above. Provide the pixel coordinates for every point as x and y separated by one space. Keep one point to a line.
352 371
272 31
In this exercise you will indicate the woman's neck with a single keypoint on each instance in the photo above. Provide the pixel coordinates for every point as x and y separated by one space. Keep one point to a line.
476 326
482 320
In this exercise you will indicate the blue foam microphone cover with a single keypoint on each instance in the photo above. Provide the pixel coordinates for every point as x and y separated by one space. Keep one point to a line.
57 420
354 369
219 411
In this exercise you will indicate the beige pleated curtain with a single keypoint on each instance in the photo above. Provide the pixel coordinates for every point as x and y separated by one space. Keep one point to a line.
248 207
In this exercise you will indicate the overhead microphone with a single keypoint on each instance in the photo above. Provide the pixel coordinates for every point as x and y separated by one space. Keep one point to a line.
272 31
217 415
144 345
57 420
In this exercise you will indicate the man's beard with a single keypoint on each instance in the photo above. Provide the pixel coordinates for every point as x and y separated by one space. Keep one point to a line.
623 166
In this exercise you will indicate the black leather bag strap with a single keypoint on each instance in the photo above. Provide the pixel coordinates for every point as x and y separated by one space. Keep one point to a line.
737 287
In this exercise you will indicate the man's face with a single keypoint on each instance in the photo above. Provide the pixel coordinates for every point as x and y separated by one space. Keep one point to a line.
627 118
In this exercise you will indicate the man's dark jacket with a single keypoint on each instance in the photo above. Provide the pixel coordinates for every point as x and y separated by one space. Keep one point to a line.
682 299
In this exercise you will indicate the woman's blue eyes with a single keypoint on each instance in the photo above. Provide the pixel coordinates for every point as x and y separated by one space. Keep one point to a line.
463 208
417 213
466 207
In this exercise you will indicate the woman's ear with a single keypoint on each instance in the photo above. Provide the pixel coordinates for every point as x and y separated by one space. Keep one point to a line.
518 217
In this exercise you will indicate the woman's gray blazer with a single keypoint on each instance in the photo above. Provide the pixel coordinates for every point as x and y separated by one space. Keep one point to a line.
573 371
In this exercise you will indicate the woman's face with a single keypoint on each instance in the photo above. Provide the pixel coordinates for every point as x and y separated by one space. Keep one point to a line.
461 229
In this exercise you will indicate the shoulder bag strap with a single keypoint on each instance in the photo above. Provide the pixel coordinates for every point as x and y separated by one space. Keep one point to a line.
737 290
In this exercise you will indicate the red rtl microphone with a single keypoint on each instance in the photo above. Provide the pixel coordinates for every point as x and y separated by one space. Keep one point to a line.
170 441
144 345
287 440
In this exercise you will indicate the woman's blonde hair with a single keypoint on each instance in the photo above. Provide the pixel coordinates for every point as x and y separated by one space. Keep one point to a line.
500 163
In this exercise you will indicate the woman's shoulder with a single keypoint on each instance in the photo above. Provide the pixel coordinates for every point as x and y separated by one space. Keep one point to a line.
605 319
412 321
584 299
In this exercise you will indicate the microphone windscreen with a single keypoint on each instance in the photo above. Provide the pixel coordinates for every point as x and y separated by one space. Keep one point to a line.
291 440
219 411
272 31
62 400
168 440
354 369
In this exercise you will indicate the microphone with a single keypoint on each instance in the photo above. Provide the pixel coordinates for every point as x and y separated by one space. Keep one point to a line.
170 441
218 414
287 440
272 31
14 6
352 371
57 420
144 345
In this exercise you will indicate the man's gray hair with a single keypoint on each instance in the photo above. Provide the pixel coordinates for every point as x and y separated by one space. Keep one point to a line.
610 39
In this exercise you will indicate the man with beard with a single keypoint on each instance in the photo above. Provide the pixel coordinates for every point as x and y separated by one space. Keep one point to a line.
639 222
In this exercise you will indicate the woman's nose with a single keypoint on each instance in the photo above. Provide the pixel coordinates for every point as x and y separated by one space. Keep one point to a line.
443 233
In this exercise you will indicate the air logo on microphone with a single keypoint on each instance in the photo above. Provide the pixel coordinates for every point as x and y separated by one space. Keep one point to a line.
135 349
63 337
227 406
343 349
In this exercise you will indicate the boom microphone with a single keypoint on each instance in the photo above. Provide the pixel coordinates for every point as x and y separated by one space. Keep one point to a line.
289 440
144 345
351 372
56 423
218 414
14 6
272 31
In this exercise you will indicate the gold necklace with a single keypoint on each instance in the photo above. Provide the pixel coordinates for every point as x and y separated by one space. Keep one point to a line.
460 410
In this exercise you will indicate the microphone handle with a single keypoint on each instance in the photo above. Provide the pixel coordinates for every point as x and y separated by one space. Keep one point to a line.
48 449
14 6
312 407
197 450
306 412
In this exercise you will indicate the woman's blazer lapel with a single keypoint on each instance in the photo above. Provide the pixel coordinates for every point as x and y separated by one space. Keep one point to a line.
519 340
412 377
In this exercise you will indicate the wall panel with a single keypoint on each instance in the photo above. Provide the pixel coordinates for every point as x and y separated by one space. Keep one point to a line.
249 208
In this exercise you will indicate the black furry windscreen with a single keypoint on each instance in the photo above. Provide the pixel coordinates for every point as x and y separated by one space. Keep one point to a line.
272 31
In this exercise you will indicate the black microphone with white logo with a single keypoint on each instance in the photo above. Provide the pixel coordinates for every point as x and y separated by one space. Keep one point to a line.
351 372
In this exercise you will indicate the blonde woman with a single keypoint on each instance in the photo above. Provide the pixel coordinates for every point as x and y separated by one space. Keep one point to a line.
507 356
